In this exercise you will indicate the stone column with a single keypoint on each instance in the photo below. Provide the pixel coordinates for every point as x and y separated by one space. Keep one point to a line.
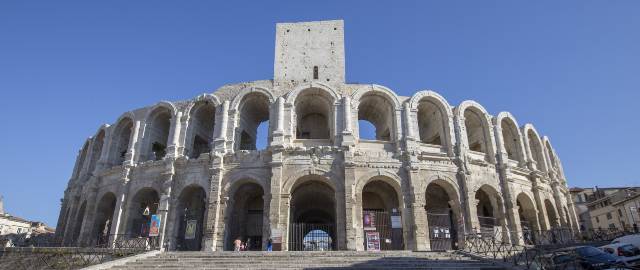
213 236
351 204
117 219
558 204
420 226
410 135
87 236
347 132
164 205
278 134
69 227
542 217
174 135
221 141
276 220
133 151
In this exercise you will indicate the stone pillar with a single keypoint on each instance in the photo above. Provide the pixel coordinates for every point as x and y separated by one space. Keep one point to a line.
542 217
133 151
87 236
174 135
119 221
347 132
351 205
221 141
558 204
410 135
278 134
164 205
419 227
68 230
213 236
276 221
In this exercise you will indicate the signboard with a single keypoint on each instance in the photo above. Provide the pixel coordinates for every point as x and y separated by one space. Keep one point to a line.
373 241
190 229
154 226
276 239
396 222
369 221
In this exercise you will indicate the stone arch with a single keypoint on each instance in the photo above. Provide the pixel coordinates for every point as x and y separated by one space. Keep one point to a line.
121 136
97 142
252 107
443 213
137 216
245 217
511 137
104 218
299 177
552 215
200 128
477 126
489 210
314 113
189 217
527 212
378 106
534 147
77 225
157 130
313 208
552 159
82 158
433 119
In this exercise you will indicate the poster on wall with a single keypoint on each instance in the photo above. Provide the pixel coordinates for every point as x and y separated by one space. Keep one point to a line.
369 221
373 241
190 229
396 222
154 226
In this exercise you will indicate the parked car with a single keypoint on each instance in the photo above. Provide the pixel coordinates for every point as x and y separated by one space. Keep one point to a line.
633 239
589 257
627 253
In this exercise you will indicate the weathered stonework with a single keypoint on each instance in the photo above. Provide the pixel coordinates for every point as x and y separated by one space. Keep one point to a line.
196 160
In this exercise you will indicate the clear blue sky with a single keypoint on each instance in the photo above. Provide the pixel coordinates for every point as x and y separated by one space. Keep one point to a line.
570 67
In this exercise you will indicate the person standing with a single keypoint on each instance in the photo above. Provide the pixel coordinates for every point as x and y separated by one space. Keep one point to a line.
237 244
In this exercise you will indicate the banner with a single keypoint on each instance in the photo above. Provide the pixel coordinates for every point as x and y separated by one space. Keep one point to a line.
369 221
396 222
373 241
190 229
154 226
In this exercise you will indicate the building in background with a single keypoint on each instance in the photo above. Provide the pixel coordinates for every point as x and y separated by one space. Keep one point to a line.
16 226
606 208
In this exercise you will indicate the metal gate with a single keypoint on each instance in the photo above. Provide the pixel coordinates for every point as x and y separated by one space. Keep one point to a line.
311 237
442 235
247 227
488 226
375 220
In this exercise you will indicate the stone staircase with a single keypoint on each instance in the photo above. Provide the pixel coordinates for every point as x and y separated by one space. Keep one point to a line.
310 260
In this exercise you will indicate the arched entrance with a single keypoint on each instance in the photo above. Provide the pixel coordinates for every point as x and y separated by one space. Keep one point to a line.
489 211
245 220
551 214
312 217
142 207
190 218
78 224
104 219
382 222
443 215
528 218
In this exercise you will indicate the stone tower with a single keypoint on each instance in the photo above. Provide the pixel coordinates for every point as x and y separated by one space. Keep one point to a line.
309 51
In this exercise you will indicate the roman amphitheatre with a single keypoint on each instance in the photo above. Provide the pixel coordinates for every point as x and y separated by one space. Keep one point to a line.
432 172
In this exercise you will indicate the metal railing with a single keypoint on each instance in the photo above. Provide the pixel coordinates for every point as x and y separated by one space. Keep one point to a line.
26 252
539 249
